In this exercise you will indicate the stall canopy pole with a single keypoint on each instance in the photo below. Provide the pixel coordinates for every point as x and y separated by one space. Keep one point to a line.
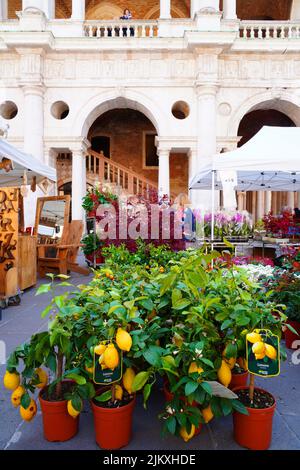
212 206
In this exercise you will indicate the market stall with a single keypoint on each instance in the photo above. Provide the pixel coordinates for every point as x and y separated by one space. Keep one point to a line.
19 176
268 162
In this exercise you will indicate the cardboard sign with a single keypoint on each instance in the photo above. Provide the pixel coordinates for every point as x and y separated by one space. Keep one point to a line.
107 376
263 357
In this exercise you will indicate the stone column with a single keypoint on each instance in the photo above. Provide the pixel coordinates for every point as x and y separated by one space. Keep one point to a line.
47 6
3 10
78 10
163 171
268 201
295 13
207 133
34 120
165 9
260 205
229 10
78 179
291 200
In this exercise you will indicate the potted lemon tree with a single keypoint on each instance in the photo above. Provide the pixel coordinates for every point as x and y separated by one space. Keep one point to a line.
55 350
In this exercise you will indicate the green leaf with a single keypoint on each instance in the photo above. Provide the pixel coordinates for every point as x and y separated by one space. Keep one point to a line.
226 406
25 400
292 329
226 324
171 424
152 355
77 403
146 393
167 282
238 406
190 387
63 276
43 289
139 381
207 387
105 396
176 295
230 350
51 362
46 311
78 378
181 304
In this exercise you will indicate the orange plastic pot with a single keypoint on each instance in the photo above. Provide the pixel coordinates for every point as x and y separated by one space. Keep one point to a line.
59 426
239 380
255 430
113 426
169 396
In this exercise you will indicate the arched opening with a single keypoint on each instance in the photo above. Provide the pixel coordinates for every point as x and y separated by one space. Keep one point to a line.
264 10
264 114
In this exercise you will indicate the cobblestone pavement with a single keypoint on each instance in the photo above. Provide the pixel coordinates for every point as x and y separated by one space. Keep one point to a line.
19 323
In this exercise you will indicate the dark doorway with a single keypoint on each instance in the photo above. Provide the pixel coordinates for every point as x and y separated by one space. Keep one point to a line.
101 144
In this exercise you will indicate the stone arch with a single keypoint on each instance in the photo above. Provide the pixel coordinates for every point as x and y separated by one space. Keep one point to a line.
155 11
281 100
100 103
104 11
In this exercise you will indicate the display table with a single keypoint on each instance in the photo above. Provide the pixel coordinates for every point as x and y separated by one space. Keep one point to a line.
271 250
27 261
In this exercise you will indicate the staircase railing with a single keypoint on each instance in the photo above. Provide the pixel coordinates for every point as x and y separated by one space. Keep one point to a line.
109 171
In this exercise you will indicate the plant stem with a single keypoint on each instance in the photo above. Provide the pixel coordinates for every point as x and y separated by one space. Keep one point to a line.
251 388
113 393
59 373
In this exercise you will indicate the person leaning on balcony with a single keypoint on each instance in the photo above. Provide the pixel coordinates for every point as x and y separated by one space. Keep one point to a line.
127 16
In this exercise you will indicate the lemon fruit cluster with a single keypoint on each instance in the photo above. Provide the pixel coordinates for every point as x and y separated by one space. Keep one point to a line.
109 356
261 349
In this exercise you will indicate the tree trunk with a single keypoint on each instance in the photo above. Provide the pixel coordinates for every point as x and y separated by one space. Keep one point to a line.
59 373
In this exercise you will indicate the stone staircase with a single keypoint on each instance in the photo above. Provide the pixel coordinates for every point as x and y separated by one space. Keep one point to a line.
116 177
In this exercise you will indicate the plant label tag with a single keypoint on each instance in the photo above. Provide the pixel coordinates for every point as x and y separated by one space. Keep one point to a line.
103 375
263 355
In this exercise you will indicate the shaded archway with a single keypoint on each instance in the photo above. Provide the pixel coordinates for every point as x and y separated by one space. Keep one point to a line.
259 203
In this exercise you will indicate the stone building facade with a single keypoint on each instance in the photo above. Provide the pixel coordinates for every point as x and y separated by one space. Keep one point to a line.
153 97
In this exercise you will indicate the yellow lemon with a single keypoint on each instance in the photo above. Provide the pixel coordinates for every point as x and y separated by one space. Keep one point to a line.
185 436
270 351
177 340
99 349
17 395
194 368
258 348
111 357
43 377
123 340
29 413
11 380
224 374
118 392
253 337
128 379
71 410
207 414
259 356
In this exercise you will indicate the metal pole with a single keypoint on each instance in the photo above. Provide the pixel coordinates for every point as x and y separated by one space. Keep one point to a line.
212 206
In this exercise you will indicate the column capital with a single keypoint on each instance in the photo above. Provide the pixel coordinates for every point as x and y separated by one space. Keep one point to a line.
80 147
37 89
204 88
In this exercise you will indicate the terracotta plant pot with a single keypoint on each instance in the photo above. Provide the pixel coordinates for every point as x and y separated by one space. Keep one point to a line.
255 430
113 426
290 337
239 380
169 396
59 426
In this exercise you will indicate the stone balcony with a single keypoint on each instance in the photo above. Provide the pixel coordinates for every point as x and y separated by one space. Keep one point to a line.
245 34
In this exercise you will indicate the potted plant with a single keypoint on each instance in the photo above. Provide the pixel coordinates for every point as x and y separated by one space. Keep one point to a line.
94 197
239 373
56 350
92 248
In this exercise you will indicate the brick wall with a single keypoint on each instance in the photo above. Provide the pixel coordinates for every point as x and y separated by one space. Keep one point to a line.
125 128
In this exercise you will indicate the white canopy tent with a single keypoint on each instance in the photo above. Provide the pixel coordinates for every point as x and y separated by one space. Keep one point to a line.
22 162
270 161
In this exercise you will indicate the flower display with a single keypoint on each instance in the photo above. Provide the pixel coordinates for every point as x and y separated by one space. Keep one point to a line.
227 224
